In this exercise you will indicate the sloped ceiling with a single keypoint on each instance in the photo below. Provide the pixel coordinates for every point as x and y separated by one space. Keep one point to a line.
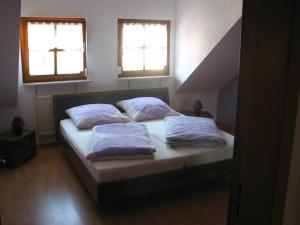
219 67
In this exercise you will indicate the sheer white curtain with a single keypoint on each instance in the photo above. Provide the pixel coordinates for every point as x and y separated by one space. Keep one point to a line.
69 37
41 38
144 46
66 37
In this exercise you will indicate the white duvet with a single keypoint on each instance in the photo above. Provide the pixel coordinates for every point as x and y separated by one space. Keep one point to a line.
189 131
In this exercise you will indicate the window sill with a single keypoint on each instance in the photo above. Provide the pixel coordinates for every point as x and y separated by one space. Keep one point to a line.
56 82
145 77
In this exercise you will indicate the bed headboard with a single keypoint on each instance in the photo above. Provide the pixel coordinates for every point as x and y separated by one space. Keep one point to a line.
62 102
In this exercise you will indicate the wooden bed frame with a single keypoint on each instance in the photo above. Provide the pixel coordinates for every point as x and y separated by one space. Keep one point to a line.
135 186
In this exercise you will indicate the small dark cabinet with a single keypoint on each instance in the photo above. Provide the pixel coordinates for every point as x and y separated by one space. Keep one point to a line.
17 149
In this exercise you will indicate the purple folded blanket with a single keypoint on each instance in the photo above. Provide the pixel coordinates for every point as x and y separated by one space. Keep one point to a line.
189 131
120 141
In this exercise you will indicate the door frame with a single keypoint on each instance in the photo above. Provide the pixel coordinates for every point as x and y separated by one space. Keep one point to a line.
266 112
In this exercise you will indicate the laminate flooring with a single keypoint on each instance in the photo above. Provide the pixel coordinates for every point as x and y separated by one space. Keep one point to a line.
46 191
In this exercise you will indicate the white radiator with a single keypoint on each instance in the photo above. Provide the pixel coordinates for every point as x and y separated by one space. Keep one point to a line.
44 112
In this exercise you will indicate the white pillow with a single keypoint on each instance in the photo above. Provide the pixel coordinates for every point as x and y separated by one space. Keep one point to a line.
146 108
88 116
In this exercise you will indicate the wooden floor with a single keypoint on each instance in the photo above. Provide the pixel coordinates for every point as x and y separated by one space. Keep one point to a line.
46 191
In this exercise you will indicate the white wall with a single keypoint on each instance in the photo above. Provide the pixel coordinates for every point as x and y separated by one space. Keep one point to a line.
102 18
292 206
200 25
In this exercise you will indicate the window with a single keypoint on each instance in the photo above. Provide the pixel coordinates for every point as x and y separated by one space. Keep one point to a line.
144 47
53 49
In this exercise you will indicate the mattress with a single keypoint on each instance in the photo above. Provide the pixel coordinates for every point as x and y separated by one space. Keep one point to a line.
165 158
107 171
193 156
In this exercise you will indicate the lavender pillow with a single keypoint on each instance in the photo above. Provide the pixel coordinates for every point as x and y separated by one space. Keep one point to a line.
146 108
88 116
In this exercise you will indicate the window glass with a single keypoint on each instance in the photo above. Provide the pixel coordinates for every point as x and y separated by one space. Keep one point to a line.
144 47
56 48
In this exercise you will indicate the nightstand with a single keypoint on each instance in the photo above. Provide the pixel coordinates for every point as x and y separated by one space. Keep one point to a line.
17 149
205 114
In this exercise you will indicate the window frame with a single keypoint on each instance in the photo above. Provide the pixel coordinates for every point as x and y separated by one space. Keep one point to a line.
27 78
142 73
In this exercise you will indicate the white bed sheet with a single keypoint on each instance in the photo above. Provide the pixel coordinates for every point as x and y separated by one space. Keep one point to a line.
165 157
193 156
107 171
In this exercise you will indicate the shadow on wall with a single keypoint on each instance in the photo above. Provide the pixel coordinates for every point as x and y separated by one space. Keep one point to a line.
219 67
227 103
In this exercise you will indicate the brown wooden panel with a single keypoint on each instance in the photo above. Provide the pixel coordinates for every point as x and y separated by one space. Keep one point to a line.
266 111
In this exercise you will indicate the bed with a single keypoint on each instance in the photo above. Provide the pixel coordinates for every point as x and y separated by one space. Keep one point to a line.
118 179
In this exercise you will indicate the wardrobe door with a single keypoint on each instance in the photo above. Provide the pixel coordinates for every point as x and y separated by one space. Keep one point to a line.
9 51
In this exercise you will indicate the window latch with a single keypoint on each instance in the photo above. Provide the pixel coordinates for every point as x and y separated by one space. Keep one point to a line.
56 50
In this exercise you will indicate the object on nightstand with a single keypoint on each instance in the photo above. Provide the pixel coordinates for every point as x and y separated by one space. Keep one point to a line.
18 125
17 149
197 106
2 162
